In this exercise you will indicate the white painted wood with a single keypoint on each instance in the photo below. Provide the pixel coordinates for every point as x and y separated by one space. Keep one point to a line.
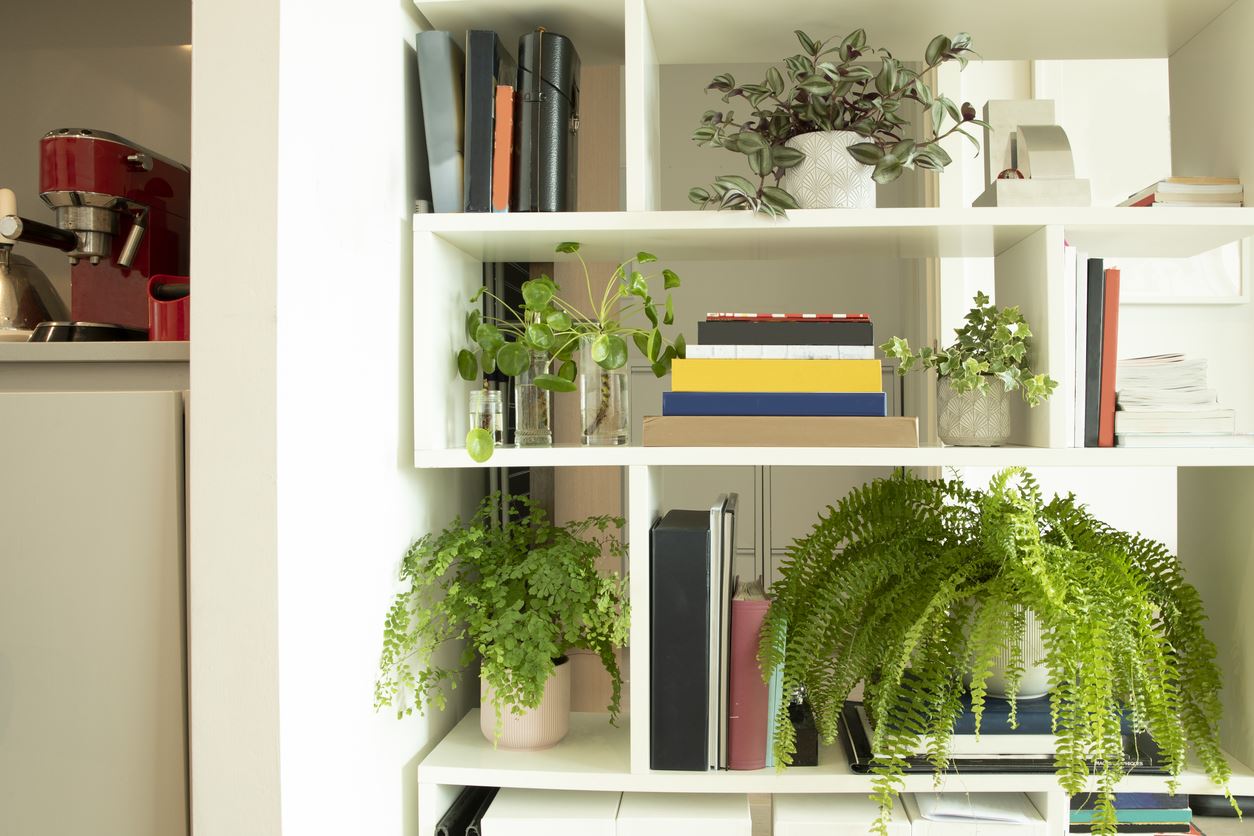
92 603
1030 275
643 100
577 456
594 756
644 496
816 233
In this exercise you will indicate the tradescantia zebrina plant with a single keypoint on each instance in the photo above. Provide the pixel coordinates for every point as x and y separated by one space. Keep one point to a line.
832 85
908 584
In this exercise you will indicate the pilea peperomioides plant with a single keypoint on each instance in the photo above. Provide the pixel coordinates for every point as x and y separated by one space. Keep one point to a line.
832 85
907 585
993 345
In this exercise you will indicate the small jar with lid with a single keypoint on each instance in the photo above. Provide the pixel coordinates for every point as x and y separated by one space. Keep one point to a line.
487 411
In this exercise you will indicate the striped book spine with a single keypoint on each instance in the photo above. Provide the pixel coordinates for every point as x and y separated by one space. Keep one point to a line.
781 352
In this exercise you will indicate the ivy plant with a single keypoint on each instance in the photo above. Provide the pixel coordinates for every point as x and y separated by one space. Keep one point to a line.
993 345
908 584
554 324
835 84
518 593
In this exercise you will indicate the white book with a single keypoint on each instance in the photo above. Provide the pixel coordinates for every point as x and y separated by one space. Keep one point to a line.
683 814
714 643
987 746
1169 440
1079 372
1070 257
526 812
973 814
1209 421
836 814
782 352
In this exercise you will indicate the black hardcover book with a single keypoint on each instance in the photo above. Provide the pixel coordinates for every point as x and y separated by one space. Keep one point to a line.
462 811
546 124
1093 351
487 65
785 333
679 605
1138 827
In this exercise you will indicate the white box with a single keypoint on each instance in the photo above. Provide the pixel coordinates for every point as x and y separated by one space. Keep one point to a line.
832 815
516 812
683 814
1017 803
1036 193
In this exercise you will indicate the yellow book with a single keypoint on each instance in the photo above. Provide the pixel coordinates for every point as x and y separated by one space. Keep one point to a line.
776 376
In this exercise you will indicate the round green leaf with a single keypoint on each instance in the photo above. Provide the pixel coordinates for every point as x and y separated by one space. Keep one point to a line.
512 359
645 258
540 336
473 320
479 444
670 279
467 365
536 294
609 351
489 361
567 247
567 371
489 337
558 320
554 383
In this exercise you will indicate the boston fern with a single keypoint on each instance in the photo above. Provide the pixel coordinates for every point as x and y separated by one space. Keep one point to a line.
831 85
519 593
907 585
993 344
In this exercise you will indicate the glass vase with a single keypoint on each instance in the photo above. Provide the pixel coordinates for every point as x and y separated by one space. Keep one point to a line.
487 412
604 409
533 406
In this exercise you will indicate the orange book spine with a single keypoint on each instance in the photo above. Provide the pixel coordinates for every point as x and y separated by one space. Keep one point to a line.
503 143
1110 351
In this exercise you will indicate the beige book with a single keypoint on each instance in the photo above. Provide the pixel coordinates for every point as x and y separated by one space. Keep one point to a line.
782 431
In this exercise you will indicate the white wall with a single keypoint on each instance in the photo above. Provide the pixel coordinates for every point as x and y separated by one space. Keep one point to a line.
141 93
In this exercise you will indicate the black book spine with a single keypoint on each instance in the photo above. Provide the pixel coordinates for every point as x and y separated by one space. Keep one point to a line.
487 64
679 601
1093 351
785 333
546 124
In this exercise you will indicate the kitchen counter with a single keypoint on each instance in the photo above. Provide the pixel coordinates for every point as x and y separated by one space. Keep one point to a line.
124 352
94 367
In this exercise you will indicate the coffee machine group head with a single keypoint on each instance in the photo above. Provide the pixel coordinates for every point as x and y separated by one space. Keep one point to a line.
121 217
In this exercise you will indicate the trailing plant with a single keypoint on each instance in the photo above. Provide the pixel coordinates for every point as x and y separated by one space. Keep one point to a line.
908 584
519 593
993 344
829 86
551 323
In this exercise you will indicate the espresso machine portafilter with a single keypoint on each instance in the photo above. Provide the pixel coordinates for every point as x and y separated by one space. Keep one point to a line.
121 216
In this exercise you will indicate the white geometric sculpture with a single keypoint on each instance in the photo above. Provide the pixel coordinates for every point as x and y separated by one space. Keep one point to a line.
1035 154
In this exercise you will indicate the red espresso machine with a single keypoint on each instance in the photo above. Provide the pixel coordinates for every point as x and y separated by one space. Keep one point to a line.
121 217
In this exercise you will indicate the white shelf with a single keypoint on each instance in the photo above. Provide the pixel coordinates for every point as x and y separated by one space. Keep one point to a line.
595 756
579 456
815 233
1059 28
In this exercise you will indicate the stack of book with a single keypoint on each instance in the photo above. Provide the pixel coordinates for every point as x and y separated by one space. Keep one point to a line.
779 380
1091 326
1164 401
1190 192
497 135
1135 812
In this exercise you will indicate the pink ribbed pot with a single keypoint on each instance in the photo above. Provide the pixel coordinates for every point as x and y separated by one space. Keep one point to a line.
536 728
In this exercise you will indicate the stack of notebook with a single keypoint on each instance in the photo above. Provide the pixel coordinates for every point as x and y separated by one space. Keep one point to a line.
1136 812
1164 401
779 380
1190 192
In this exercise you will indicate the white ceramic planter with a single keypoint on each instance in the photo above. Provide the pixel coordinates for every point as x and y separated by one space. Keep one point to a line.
975 418
1035 682
537 728
829 178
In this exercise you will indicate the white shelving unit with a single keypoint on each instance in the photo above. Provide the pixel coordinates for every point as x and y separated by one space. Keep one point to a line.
1024 245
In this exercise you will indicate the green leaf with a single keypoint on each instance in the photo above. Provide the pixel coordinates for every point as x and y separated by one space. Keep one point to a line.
567 371
467 365
554 383
473 320
786 157
654 345
488 359
479 444
489 337
806 42
639 285
735 181
669 279
858 73
609 351
887 170
668 318
681 347
886 81
698 196
779 198
760 162
816 85
938 47
536 294
775 81
748 142
540 336
567 247
642 343
867 153
645 258
558 320
512 359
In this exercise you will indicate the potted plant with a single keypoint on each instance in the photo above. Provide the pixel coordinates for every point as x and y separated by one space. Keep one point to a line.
825 130
987 360
907 584
520 593
590 345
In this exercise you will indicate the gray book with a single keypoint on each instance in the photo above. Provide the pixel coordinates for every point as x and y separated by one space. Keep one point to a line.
441 67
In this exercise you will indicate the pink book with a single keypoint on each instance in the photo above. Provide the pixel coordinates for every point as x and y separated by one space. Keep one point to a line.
747 692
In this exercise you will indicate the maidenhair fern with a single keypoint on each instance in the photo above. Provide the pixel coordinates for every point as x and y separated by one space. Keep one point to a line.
915 587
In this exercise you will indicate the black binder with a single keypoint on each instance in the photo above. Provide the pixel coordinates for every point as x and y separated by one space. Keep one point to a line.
679 571
546 124
487 65
1094 320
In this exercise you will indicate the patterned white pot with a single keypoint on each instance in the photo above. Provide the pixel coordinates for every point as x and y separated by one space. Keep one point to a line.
1035 681
536 728
829 178
975 418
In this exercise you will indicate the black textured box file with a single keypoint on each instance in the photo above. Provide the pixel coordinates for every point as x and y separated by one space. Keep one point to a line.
546 124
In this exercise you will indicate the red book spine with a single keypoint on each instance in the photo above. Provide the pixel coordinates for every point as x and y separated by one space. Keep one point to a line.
502 147
1110 349
747 693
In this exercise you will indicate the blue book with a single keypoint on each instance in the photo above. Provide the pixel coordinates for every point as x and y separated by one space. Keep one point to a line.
862 404
1126 801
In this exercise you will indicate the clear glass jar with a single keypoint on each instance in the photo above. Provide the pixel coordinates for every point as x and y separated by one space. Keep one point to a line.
533 406
604 409
487 411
